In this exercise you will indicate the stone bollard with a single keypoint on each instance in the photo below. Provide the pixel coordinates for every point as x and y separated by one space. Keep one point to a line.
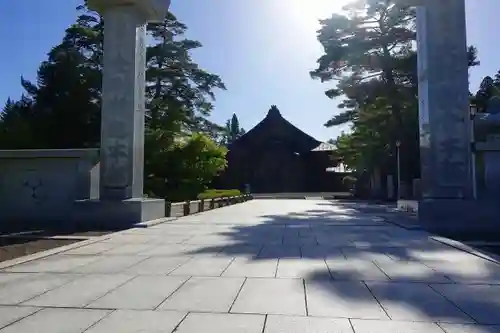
417 191
168 209
186 208
201 206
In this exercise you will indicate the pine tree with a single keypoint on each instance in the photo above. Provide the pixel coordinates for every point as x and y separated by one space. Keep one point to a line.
62 108
179 92
15 130
369 51
65 99
232 130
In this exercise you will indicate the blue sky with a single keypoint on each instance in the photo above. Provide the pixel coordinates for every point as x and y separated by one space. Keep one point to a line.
263 49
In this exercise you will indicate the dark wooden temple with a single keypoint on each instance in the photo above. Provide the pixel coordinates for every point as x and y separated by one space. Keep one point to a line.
277 157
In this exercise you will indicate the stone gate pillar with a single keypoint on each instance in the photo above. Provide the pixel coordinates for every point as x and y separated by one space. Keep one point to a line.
122 114
444 100
448 205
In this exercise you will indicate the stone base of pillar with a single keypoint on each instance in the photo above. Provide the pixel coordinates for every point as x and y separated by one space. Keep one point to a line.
463 219
117 214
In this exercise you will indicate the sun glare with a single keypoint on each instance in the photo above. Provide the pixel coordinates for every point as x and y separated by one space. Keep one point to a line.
310 12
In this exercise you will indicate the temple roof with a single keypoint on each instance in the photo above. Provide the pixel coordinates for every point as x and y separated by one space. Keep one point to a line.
275 127
325 146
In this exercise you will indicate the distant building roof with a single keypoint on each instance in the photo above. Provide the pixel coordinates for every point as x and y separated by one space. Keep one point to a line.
275 128
325 146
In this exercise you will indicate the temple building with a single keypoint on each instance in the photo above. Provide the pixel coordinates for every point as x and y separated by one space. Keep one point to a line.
277 157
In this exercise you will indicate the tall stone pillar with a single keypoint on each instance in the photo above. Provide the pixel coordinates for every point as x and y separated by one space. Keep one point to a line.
448 205
444 100
123 104
123 100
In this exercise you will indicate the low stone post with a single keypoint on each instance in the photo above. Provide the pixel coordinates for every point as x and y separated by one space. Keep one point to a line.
168 209
186 208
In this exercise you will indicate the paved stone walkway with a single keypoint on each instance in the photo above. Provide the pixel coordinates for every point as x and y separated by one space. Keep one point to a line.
272 266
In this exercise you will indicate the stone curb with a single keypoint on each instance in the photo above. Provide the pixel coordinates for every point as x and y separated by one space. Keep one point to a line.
57 250
152 223
466 248
445 241
453 243
50 252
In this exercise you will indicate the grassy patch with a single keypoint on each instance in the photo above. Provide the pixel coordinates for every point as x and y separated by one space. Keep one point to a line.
213 194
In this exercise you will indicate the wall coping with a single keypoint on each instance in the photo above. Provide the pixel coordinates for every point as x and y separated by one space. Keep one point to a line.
49 153
178 203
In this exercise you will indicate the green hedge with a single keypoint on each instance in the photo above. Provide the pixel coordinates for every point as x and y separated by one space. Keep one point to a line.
212 194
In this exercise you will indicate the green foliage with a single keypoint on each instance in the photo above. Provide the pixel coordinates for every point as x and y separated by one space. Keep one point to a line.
15 131
179 93
489 88
61 109
232 131
183 170
213 194
369 51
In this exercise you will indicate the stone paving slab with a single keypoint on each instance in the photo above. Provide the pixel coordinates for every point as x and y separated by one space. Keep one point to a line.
320 252
271 296
477 271
411 272
156 265
11 314
129 249
295 324
342 300
383 326
174 250
377 254
244 267
416 302
221 323
300 268
271 251
57 321
204 294
126 321
203 267
355 270
108 264
449 328
140 293
270 266
481 302
59 263
79 292
24 286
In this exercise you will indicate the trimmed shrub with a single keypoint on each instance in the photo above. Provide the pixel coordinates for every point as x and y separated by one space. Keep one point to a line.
213 194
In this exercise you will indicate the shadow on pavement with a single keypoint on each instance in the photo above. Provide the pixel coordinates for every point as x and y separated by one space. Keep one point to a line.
412 277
